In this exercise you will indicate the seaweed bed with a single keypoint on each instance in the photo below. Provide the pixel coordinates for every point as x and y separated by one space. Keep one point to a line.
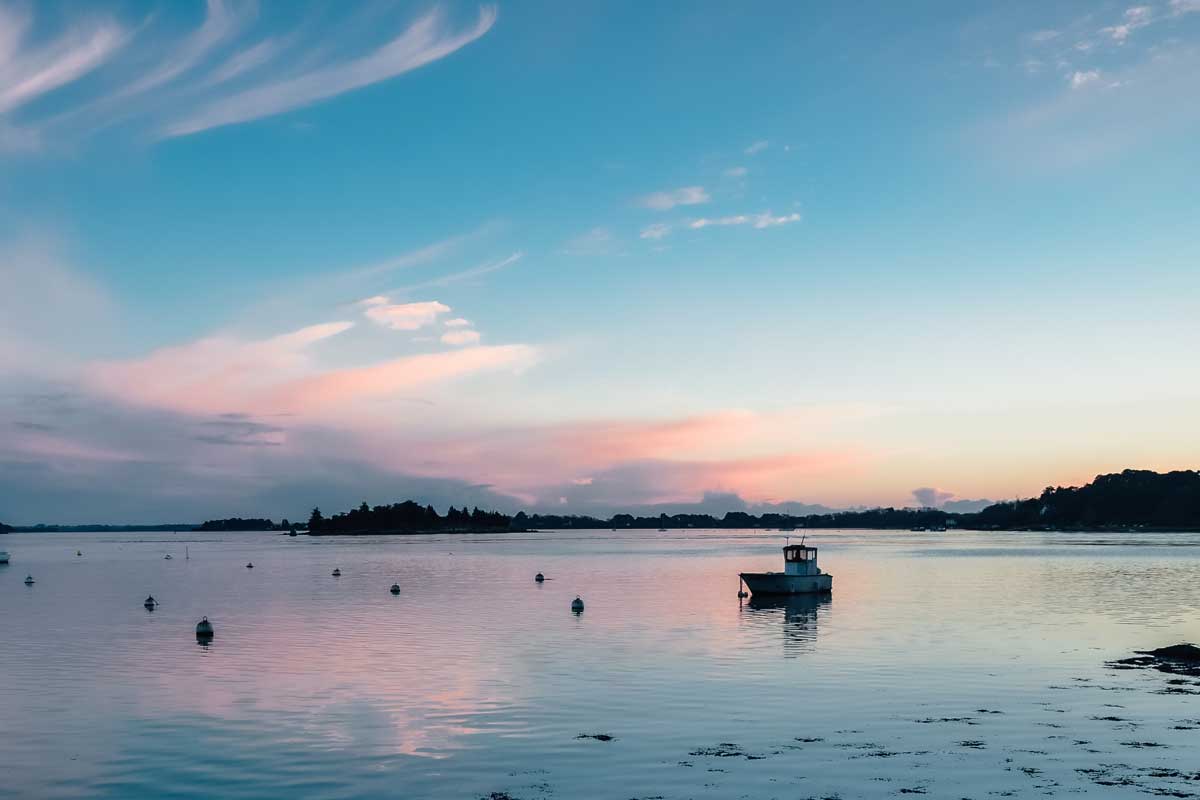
1164 770
1178 659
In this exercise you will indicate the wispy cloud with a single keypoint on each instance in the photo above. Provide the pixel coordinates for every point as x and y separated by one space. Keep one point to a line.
457 322
1079 79
656 231
221 23
174 84
1134 18
1148 95
245 61
403 316
283 374
757 147
1042 36
460 337
468 274
28 72
426 40
666 200
735 172
598 241
764 220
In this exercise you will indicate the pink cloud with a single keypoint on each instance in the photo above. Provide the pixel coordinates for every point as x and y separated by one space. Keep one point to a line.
215 374
759 456
281 375
460 337
328 389
403 316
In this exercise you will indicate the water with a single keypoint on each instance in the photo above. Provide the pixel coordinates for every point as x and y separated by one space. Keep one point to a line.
957 664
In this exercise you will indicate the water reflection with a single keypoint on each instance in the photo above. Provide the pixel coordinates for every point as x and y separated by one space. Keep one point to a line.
795 615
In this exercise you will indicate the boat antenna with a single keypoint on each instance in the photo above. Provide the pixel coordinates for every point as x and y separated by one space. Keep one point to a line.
802 538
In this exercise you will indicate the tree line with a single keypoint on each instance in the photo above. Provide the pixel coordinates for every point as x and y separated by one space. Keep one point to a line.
1140 499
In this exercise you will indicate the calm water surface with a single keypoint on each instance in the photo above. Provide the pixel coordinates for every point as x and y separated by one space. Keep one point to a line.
954 665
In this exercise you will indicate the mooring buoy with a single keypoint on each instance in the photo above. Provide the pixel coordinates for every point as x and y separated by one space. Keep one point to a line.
249 565
539 577
577 605
395 588
337 573
167 557
78 552
29 580
150 603
204 629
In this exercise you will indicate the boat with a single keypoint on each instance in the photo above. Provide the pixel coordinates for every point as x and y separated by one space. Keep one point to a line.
801 575
3 557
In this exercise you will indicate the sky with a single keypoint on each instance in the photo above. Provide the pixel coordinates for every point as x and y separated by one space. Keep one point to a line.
591 257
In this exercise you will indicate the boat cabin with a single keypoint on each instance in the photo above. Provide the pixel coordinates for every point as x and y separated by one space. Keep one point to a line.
800 560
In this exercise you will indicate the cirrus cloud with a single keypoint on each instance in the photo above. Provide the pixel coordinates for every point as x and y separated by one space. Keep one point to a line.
666 200
763 220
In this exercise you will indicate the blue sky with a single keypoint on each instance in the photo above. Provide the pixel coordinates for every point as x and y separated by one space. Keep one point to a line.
586 257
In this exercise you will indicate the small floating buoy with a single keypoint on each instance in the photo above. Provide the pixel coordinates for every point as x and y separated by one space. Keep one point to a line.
29 580
249 565
395 588
167 557
78 553
577 605
150 603
539 577
337 573
204 629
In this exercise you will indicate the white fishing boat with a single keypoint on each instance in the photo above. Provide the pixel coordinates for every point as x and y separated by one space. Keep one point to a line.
800 575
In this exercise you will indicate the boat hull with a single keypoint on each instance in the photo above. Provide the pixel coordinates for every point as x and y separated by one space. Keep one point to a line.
771 583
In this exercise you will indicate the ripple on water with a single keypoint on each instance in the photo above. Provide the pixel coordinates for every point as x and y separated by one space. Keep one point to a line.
930 669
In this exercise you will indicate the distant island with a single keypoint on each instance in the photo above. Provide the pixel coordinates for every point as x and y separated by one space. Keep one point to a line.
1129 500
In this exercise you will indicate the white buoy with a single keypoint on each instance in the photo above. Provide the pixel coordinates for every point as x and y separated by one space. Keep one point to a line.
204 629
577 605
395 588
29 580
539 577
337 573
150 603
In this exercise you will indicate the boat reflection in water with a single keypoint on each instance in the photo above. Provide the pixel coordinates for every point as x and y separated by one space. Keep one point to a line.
796 614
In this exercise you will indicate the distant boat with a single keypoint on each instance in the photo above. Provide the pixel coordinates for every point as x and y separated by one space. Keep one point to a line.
801 575
662 530
3 557
167 557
